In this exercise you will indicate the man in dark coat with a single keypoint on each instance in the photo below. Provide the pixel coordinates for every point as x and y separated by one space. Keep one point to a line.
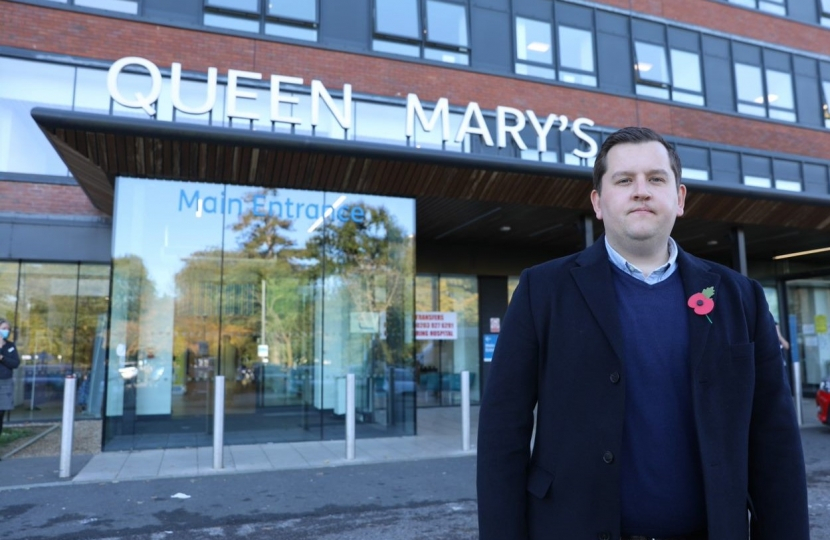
661 409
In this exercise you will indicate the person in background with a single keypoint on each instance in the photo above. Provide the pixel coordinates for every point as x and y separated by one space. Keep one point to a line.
9 360
661 407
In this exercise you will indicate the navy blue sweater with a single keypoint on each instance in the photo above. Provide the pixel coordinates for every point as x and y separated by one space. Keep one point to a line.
661 475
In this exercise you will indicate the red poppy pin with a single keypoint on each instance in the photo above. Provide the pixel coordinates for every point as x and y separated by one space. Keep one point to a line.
702 302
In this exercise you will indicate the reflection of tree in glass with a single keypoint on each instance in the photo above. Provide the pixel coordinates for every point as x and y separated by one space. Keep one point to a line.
132 299
374 261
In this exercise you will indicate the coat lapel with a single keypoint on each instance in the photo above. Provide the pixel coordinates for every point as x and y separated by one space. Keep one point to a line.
595 282
696 277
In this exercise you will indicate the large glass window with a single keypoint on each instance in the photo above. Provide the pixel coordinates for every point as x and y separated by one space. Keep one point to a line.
24 85
534 48
58 313
432 29
770 96
294 19
452 300
282 292
576 56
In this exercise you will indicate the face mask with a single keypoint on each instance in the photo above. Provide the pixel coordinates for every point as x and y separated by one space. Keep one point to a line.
4 332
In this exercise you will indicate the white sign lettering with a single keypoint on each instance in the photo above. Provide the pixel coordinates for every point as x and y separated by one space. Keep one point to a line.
510 122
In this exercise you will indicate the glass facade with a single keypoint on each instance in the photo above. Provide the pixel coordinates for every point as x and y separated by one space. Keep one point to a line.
439 362
58 314
282 292
809 309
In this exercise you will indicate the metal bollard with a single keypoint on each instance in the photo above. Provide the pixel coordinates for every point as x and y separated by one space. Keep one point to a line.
219 423
465 410
67 426
350 419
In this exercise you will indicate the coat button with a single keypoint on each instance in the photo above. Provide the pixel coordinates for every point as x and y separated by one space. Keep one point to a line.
604 536
615 377
608 457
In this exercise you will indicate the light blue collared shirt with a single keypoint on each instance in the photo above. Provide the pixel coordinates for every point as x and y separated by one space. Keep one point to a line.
658 275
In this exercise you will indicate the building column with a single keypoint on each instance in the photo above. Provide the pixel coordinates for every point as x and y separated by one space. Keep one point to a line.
739 251
588 230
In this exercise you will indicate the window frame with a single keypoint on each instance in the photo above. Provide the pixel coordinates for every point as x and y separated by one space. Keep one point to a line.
534 64
423 43
580 74
137 12
759 5
770 111
264 19
823 12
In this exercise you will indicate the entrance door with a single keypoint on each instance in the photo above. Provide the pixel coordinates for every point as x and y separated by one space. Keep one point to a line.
809 303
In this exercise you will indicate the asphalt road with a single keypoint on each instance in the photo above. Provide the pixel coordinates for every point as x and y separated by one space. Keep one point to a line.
392 501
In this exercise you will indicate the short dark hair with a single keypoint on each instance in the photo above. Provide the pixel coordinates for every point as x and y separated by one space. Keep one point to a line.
633 135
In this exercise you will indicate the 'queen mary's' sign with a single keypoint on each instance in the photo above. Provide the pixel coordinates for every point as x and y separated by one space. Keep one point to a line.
510 122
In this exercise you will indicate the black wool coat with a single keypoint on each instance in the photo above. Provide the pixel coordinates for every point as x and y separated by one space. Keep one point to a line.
560 350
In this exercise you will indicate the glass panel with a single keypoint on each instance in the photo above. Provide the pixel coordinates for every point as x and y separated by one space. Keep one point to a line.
446 23
450 57
772 6
459 295
757 181
651 63
531 154
693 99
577 78
533 41
433 139
232 23
46 331
90 337
749 83
380 123
328 125
393 47
809 304
398 18
91 94
164 332
291 31
755 110
747 3
825 7
695 174
23 85
124 6
686 71
652 91
512 283
303 10
8 293
788 185
780 90
251 6
368 283
787 116
825 107
576 49
535 71
192 94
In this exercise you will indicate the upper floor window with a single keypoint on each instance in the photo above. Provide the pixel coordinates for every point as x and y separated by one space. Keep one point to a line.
778 7
576 56
770 96
825 87
824 12
122 6
295 19
676 76
534 48
431 29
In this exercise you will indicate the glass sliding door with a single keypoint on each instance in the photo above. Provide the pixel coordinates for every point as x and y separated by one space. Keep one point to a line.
283 292
809 310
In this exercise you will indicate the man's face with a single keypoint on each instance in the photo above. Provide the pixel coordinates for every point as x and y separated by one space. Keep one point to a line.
640 199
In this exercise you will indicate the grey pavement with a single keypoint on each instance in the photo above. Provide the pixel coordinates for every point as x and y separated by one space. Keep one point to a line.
439 436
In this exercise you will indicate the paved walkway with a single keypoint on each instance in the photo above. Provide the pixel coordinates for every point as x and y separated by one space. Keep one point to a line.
439 435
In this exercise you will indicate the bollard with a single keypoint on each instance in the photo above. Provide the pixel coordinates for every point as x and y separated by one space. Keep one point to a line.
67 426
798 393
219 423
350 416
465 410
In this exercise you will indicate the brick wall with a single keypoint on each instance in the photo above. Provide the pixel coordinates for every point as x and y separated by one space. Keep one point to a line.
25 198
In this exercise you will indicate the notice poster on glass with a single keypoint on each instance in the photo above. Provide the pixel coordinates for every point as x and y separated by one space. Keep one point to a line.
436 325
